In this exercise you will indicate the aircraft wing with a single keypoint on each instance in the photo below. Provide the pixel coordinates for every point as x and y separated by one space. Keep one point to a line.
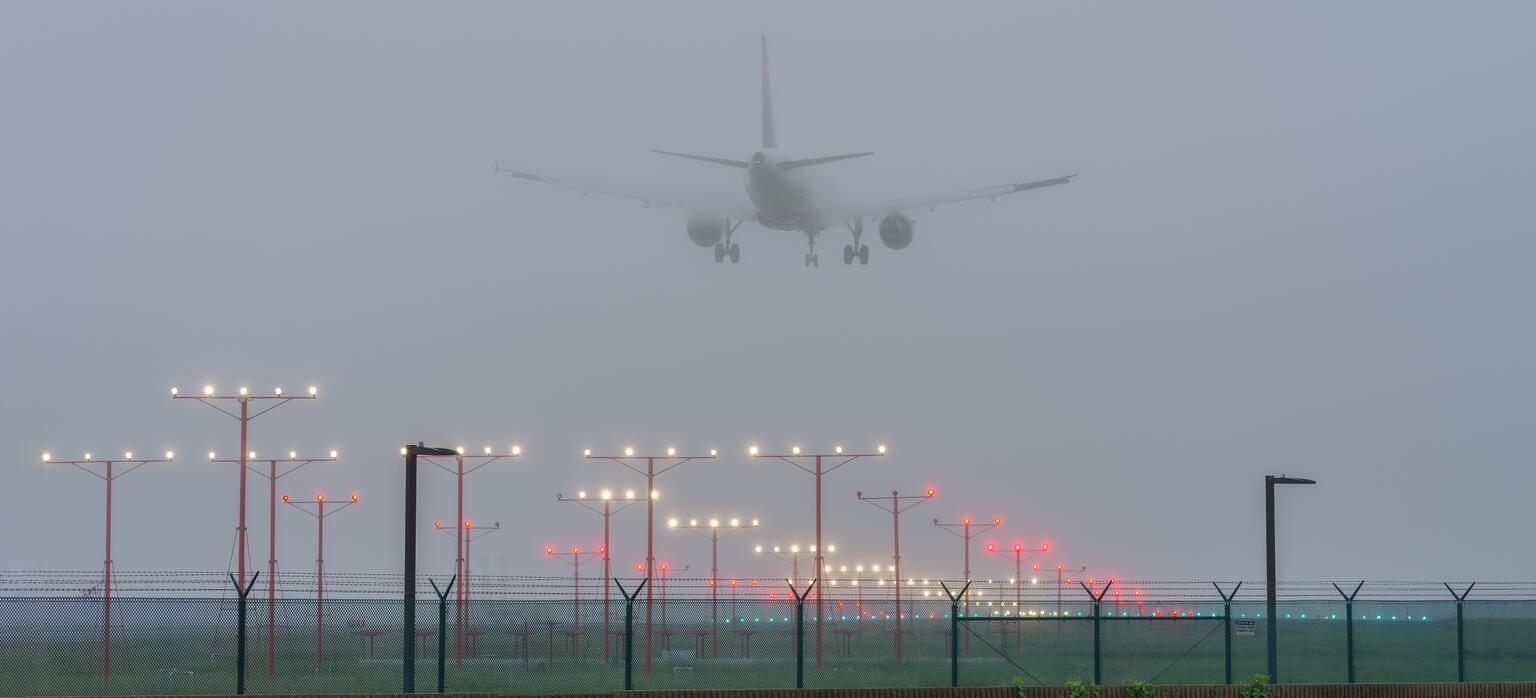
930 201
702 204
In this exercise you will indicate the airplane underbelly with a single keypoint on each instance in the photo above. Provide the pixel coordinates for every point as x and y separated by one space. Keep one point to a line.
780 203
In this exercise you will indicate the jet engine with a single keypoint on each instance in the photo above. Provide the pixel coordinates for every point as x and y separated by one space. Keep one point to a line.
706 232
896 231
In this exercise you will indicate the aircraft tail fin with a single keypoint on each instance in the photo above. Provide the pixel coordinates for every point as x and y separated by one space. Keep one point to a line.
769 141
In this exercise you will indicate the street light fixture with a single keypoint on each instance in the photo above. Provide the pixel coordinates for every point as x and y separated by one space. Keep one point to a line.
607 509
895 505
108 476
713 525
320 513
1269 554
211 398
799 459
629 460
408 625
273 476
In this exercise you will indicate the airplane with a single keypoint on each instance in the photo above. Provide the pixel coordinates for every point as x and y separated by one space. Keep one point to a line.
781 198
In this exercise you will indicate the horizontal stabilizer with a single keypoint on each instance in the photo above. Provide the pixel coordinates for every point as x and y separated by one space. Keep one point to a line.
705 158
792 164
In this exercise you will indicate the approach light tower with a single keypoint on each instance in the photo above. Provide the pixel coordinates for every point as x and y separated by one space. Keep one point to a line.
211 398
108 476
577 556
799 460
895 504
713 525
669 461
461 546
465 533
607 510
320 513
292 462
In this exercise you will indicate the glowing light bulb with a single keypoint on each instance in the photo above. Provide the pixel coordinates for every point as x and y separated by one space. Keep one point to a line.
47 457
250 455
517 450
175 391
354 496
587 452
208 390
313 390
752 451
285 497
278 391
795 450
671 451
582 494
629 451
244 390
838 450
170 455
629 494
881 449
672 523
734 522
212 455
128 455
402 450
713 453
487 450
334 454
293 454
606 494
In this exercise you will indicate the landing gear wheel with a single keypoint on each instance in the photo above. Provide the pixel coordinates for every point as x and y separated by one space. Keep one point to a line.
847 255
735 253
815 260
863 254
719 253
807 259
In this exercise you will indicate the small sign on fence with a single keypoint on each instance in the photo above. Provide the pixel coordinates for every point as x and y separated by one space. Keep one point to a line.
1244 628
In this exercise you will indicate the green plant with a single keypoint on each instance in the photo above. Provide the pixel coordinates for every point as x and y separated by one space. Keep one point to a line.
1136 688
1018 686
1257 687
1077 689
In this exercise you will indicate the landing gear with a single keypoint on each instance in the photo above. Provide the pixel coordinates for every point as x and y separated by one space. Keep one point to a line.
728 250
811 258
856 250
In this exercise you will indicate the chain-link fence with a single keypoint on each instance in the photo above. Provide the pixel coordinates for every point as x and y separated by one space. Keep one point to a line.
178 633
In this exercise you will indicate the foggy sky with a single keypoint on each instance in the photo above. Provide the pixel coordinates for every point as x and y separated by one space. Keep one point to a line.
1300 242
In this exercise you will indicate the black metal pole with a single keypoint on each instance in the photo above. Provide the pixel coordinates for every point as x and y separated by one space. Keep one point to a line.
1226 623
1461 657
1349 636
629 631
240 633
1271 632
408 624
442 631
954 643
800 640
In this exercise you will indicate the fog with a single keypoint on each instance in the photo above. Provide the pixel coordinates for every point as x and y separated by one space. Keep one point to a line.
1299 242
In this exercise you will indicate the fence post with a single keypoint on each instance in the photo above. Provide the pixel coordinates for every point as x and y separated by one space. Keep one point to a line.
1226 623
629 631
954 631
442 630
1349 626
800 629
1461 657
240 632
1097 677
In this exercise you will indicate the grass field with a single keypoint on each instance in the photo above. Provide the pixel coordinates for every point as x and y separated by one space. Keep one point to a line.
186 646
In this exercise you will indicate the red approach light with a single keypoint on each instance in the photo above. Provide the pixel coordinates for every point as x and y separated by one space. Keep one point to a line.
466 523
285 497
602 550
549 550
319 496
1058 568
733 582
966 521
930 491
754 582
663 567
1035 567
575 550
435 524
1044 547
639 567
991 547
1018 547
354 496
997 521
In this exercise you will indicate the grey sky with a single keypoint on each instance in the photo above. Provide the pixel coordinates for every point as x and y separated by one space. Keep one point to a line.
1300 242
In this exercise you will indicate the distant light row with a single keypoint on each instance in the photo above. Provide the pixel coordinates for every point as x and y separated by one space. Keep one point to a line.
320 497
713 523
171 455
516 451
127 455
629 451
244 391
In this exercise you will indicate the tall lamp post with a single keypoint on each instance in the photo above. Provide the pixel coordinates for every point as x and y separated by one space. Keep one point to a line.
669 461
713 525
1018 573
319 513
107 476
211 398
292 462
816 469
577 556
461 547
411 454
606 510
1269 556
895 504
965 534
